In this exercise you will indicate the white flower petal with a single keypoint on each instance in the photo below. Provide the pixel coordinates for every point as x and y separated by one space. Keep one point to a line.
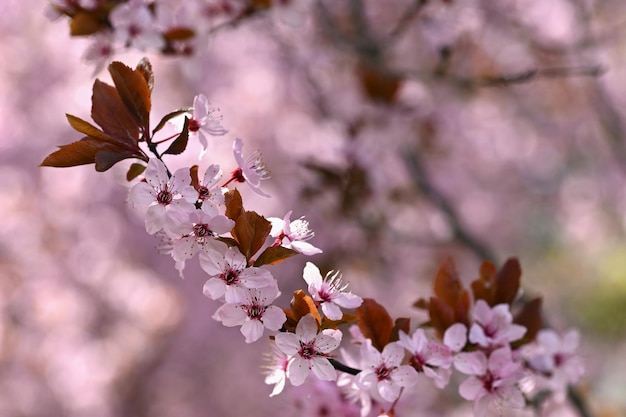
252 330
322 369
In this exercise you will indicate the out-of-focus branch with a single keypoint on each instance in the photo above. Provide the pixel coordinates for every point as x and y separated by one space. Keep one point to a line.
405 20
460 232
611 121
507 79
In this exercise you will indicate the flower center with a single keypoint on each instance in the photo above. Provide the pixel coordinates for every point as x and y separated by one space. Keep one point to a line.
164 197
488 381
203 193
255 311
230 277
237 175
202 230
383 373
418 362
307 350
194 125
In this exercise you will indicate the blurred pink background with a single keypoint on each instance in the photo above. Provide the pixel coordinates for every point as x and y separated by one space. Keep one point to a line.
94 322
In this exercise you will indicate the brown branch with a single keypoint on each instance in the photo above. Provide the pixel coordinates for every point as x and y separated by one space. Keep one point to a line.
460 232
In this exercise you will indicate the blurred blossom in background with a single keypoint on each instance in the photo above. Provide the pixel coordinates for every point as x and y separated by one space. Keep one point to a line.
398 155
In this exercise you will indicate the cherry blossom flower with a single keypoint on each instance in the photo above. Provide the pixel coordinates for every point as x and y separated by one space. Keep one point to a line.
554 356
309 351
276 370
293 234
100 51
134 25
351 390
251 170
329 292
493 327
196 231
254 314
166 198
230 274
205 121
428 356
384 370
209 194
493 379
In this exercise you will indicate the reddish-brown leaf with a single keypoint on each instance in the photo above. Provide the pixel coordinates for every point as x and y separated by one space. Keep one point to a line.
529 316
301 305
234 204
134 92
179 34
77 153
334 324
497 287
274 255
180 143
144 67
401 323
109 112
88 129
508 282
375 323
447 285
250 232
441 315
105 159
170 116
84 24
134 171
378 85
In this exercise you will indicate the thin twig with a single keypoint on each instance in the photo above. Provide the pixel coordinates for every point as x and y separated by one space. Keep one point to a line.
460 232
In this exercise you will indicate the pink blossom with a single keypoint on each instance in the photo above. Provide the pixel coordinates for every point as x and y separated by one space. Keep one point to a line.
134 25
251 169
100 51
196 231
230 274
205 120
493 327
309 351
555 357
166 198
254 313
329 292
209 193
276 370
293 234
428 356
492 380
384 370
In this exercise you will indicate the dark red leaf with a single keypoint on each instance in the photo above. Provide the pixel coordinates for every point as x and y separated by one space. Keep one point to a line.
109 112
77 153
447 285
180 143
134 92
274 255
84 24
234 204
401 323
250 231
144 67
375 323
530 316
301 305
179 34
134 171
170 116
508 282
